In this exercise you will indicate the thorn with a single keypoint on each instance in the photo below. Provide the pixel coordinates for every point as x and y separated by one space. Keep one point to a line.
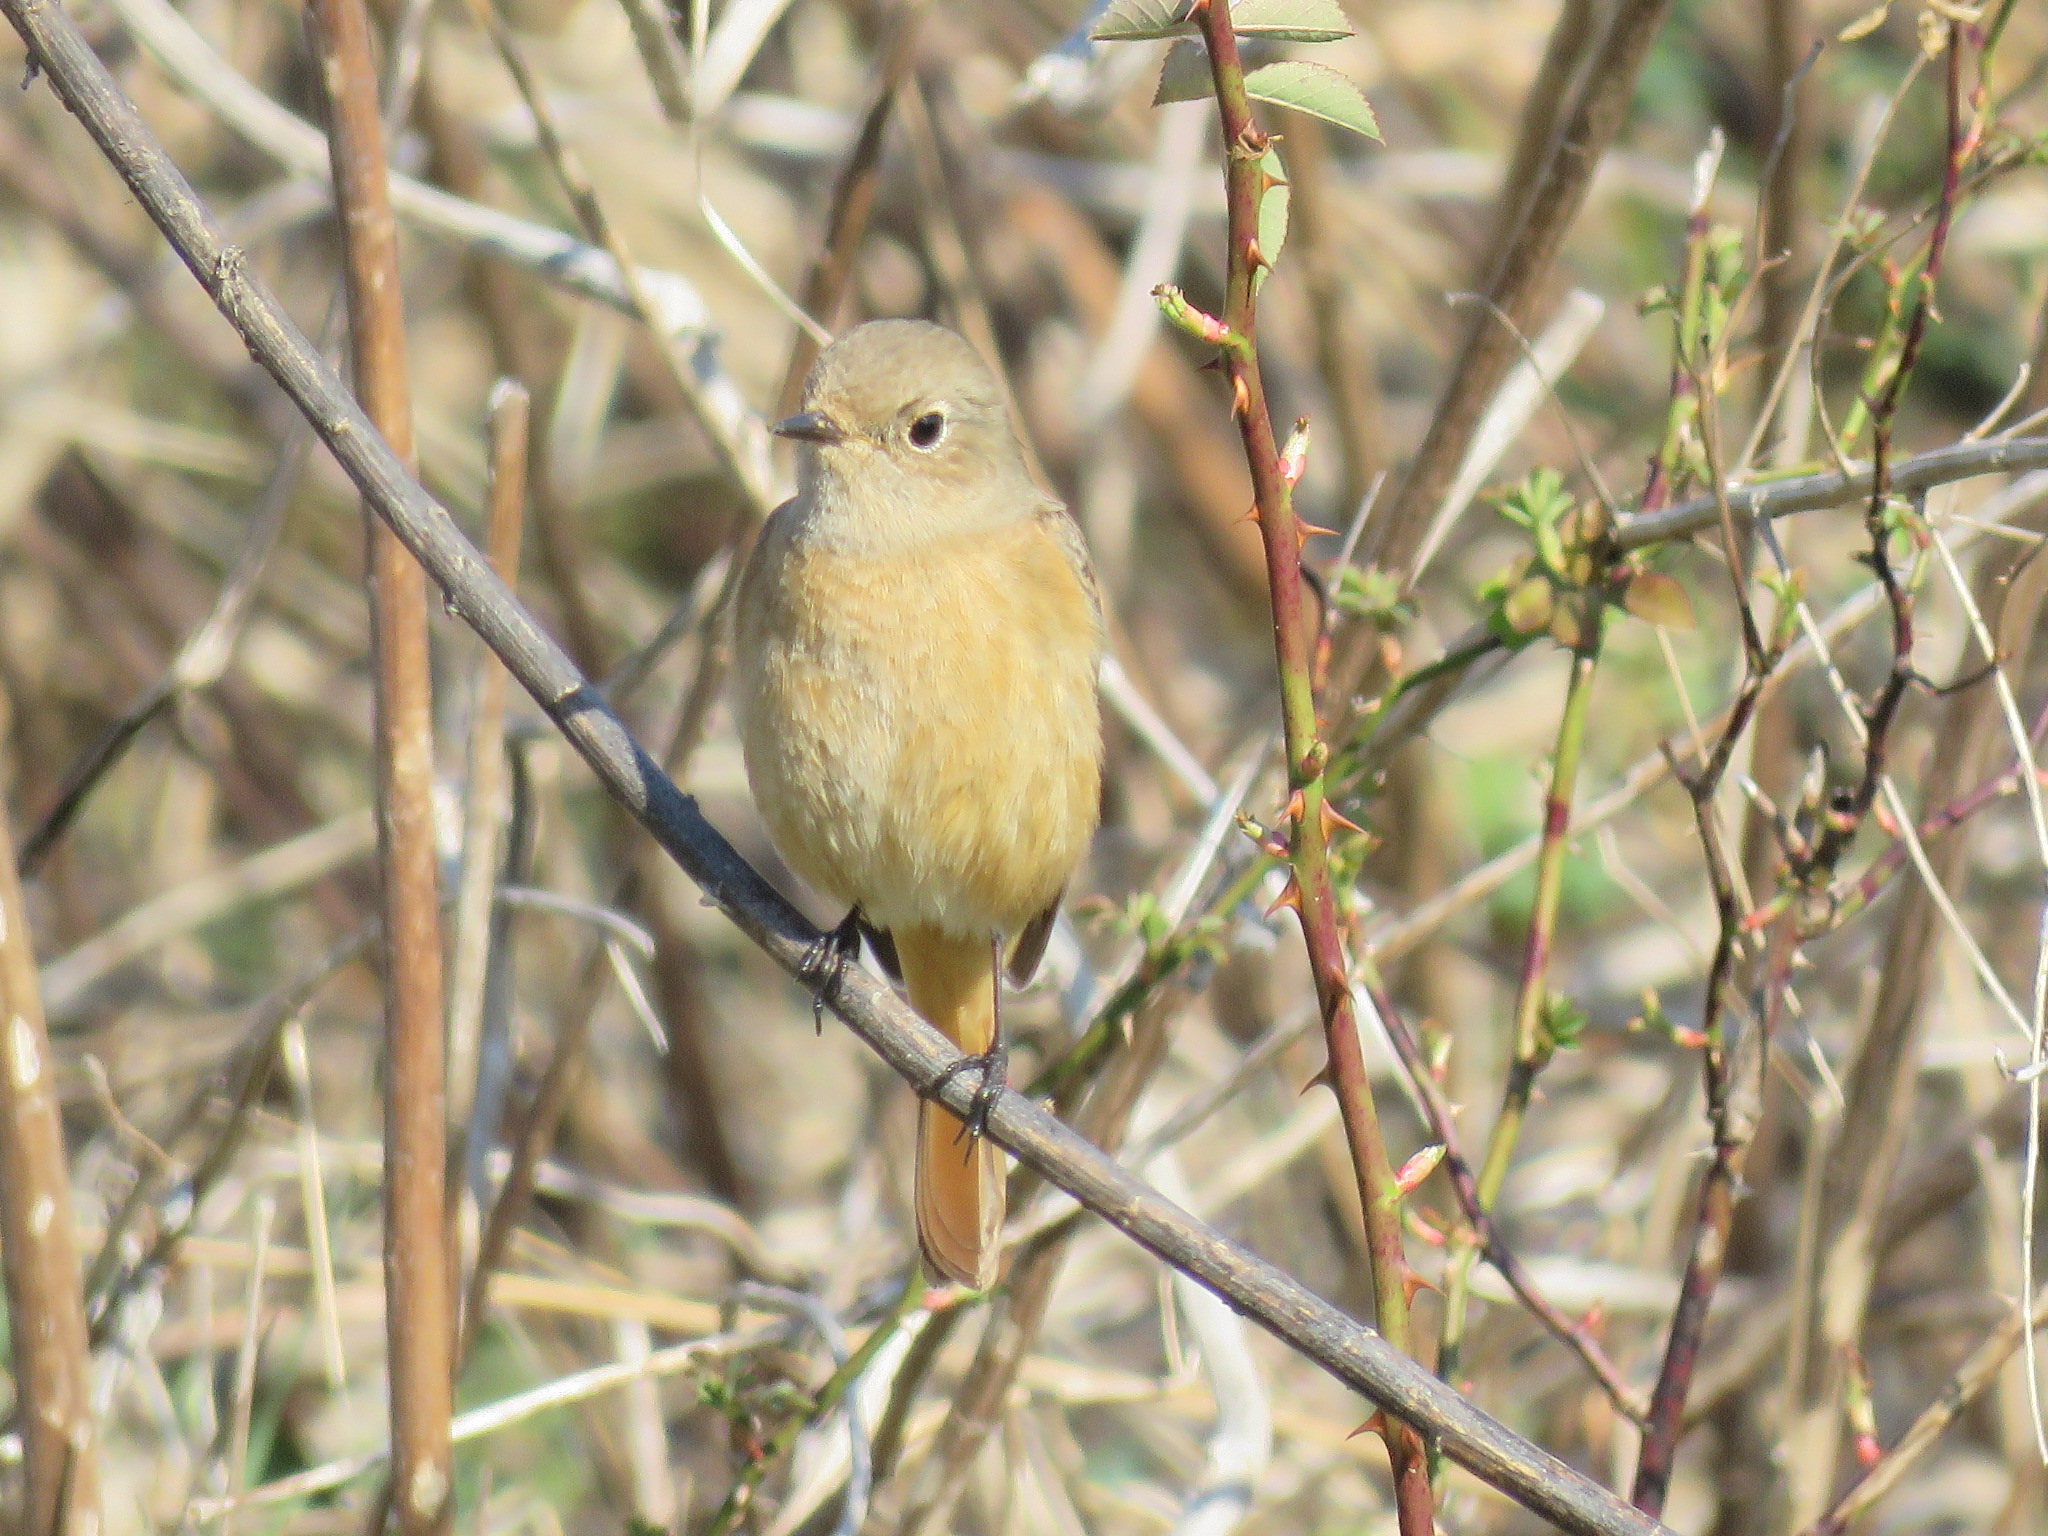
1251 515
1411 1282
1290 896
1304 530
1296 808
1332 817
1320 1080
1240 396
1376 1425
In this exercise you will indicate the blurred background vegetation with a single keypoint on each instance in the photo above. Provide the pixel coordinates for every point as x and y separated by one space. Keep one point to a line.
710 1138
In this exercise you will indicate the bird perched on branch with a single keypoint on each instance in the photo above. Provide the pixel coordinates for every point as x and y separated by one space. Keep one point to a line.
917 639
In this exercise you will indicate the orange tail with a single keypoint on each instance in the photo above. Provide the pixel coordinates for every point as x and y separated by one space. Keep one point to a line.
959 1184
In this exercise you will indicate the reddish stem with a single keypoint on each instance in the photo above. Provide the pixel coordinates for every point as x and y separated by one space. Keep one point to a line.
1314 895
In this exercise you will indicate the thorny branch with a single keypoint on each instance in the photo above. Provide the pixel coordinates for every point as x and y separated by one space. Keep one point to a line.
1312 891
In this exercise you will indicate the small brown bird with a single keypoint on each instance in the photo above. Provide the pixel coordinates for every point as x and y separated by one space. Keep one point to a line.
917 640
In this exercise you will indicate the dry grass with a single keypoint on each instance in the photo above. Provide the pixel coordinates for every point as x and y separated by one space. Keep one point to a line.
718 1210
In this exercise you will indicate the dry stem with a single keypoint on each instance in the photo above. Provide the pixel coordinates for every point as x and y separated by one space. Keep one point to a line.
419 1282
45 1307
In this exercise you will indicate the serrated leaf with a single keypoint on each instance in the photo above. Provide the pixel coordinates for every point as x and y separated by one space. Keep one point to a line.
1136 21
1658 599
1273 205
1283 21
1313 89
1185 74
1290 21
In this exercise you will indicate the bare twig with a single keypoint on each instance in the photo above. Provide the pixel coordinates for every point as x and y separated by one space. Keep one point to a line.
419 1304
45 1307
484 791
247 1355
736 435
1856 1167
548 253
241 1080
491 1417
313 1196
1976 1373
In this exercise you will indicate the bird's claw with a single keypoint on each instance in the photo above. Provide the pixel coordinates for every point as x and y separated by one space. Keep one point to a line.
824 965
994 1065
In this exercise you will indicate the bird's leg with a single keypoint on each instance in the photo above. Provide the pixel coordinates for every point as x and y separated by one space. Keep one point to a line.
823 967
993 1062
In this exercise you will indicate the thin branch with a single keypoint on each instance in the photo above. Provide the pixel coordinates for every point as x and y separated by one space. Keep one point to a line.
419 1299
1814 493
484 794
1976 1373
45 1305
1532 1042
1443 1125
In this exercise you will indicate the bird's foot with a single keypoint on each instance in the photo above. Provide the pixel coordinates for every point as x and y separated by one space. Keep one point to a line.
824 965
994 1065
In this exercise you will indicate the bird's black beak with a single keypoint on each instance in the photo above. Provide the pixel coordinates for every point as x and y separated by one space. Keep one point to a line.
809 427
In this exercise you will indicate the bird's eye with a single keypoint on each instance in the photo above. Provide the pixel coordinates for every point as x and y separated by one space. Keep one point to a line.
927 430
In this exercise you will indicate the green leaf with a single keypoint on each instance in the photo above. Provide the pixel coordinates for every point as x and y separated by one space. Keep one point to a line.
1563 1021
1273 204
1135 21
1313 89
1185 75
1283 21
1290 21
1371 594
